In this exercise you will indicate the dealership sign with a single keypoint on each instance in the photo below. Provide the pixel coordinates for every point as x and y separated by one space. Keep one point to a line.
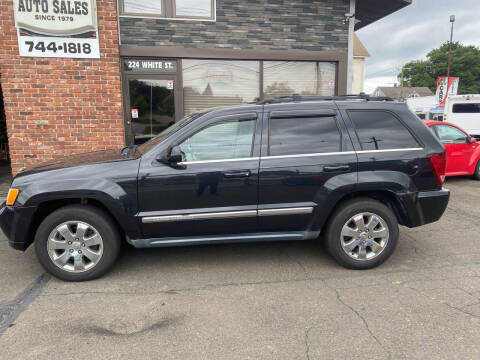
57 28
446 86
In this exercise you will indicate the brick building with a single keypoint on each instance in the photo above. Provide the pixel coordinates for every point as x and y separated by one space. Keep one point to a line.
163 59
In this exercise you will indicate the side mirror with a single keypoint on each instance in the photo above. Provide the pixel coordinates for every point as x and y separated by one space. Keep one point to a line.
471 140
175 155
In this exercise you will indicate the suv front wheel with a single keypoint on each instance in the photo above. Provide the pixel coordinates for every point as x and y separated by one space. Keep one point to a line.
77 243
362 234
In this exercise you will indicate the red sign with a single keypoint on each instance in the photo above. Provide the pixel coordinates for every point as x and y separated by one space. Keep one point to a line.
170 84
134 113
331 84
446 86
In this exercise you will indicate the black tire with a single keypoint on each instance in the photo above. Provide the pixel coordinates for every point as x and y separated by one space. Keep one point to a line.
340 217
100 220
476 174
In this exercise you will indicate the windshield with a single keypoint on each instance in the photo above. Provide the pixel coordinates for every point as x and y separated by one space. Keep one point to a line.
142 149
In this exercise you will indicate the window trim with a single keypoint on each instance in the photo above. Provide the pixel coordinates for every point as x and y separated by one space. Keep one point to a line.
349 111
168 12
318 116
226 118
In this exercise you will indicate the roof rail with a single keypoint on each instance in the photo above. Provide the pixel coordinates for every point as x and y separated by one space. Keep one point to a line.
296 97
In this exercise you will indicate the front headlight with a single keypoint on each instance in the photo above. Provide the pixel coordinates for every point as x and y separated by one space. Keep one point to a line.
12 196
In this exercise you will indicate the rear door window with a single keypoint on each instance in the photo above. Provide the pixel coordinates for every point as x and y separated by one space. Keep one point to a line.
303 135
381 130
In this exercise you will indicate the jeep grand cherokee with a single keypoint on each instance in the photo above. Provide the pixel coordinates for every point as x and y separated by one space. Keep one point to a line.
347 170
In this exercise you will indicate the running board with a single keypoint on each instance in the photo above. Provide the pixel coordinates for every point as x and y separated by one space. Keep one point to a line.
218 239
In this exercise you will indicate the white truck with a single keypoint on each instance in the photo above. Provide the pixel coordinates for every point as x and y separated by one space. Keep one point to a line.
464 111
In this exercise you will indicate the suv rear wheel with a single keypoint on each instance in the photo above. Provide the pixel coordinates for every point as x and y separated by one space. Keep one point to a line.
362 234
77 243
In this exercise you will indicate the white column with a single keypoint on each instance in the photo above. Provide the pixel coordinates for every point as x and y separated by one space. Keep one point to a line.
351 30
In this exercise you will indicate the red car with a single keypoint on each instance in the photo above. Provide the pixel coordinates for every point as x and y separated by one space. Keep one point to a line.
463 151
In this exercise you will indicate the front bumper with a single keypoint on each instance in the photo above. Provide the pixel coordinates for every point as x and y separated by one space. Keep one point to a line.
426 207
15 222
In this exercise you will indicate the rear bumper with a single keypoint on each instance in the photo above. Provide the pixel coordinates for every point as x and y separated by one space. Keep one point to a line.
426 207
15 222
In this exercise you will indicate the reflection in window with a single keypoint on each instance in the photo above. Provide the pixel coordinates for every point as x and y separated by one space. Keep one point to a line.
155 107
378 130
212 83
450 134
143 6
193 8
303 136
222 140
285 78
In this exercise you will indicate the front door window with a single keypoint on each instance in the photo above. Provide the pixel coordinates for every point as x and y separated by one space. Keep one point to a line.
221 140
451 135
152 107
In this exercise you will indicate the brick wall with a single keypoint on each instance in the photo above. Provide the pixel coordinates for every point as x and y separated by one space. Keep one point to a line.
56 107
314 25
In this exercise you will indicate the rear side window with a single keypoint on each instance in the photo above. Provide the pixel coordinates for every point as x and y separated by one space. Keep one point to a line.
466 108
293 136
381 130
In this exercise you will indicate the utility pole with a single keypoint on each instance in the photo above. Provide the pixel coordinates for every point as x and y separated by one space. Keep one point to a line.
452 20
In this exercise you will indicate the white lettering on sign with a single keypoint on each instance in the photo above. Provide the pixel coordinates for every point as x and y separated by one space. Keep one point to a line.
150 65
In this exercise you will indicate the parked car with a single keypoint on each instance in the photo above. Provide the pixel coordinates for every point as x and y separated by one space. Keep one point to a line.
463 150
464 111
349 169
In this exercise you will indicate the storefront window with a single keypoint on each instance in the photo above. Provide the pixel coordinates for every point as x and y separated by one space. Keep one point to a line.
285 78
194 8
212 83
153 7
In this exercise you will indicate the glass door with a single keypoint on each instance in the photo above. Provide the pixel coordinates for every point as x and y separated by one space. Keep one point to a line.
151 106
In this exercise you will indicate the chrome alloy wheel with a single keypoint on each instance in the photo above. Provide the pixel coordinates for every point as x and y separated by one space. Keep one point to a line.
75 246
364 236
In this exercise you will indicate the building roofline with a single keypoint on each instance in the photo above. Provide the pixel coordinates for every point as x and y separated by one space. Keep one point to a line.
359 49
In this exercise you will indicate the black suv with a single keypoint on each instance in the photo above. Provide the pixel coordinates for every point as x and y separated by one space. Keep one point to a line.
348 168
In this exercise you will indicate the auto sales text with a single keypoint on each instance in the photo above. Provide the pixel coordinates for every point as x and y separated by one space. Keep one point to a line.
59 7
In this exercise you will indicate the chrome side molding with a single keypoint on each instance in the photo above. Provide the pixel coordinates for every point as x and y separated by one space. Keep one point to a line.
336 153
202 216
286 211
228 214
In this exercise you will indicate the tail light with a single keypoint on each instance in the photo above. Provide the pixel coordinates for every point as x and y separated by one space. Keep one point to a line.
439 164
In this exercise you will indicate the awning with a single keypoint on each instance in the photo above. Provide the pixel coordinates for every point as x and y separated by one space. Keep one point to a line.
369 11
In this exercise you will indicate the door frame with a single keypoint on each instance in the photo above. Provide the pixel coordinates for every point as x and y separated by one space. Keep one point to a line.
178 98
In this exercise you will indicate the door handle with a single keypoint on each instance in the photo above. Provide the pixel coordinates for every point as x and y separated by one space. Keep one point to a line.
237 174
337 168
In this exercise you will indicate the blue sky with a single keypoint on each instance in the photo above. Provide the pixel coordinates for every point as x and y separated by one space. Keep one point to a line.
412 32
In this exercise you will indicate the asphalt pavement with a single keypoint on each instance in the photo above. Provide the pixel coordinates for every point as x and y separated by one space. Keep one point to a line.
282 300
